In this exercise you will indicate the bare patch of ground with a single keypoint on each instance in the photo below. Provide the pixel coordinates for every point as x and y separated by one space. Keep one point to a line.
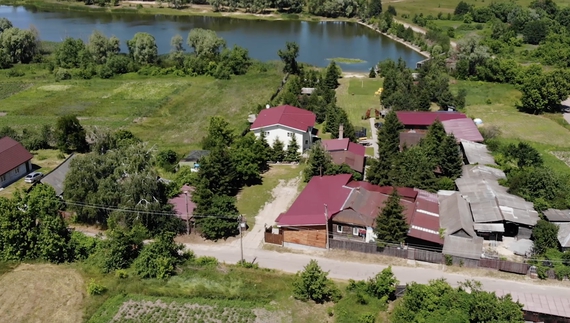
563 156
41 293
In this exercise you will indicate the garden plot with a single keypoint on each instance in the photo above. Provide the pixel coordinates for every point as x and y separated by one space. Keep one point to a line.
159 311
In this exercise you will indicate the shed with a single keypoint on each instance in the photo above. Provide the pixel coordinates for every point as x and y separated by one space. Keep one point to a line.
469 248
564 235
56 177
455 216
554 215
476 153
193 157
483 172
463 129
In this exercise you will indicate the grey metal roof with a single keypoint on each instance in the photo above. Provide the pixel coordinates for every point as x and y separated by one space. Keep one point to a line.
482 171
564 234
477 153
56 177
470 248
455 215
489 227
194 155
521 216
554 215
485 211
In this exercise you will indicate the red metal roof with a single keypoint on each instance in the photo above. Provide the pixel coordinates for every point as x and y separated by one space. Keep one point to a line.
464 129
308 209
179 203
336 144
353 160
12 154
357 149
424 118
285 115
425 221
407 193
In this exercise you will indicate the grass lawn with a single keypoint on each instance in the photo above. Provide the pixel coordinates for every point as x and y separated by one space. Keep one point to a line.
170 111
495 105
41 293
356 95
253 198
43 161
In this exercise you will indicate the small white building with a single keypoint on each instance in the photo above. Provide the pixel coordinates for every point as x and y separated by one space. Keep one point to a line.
14 161
286 122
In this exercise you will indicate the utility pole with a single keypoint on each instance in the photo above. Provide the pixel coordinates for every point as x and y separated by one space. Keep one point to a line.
241 225
327 226
187 215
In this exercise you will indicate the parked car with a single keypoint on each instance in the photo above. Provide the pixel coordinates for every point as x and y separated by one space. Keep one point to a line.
33 177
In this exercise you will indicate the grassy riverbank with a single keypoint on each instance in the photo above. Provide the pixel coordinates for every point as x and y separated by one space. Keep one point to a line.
155 8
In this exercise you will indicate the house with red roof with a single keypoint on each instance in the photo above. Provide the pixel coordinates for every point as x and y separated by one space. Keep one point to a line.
421 120
183 206
348 210
286 123
15 161
343 151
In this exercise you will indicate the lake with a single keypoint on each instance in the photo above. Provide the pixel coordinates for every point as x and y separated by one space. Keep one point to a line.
318 41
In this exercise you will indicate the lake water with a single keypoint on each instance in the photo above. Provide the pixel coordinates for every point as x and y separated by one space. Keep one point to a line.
318 41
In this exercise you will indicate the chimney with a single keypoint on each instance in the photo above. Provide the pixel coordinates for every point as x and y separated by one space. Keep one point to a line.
340 131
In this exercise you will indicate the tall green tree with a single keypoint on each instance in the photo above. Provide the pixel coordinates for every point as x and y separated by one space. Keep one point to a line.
432 143
177 50
17 231
413 168
388 148
374 8
18 45
101 47
332 74
292 155
5 24
70 134
246 161
143 48
205 42
451 162
289 57
219 134
391 225
68 53
545 236
278 151
544 93
263 152
319 163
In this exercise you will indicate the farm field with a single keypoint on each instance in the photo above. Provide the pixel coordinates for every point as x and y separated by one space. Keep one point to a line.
170 110
41 293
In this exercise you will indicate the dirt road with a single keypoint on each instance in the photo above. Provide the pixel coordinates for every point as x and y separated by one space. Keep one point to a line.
283 196
421 31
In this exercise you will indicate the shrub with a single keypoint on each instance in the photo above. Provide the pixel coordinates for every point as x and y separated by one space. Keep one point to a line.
247 264
62 74
312 284
367 318
15 73
94 288
448 260
105 72
206 261
160 258
121 273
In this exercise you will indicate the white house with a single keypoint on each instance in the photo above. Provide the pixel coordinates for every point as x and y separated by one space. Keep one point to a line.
14 161
286 122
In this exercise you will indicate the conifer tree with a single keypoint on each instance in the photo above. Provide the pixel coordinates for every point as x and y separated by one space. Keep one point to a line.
391 225
412 168
292 155
388 148
332 75
451 160
278 152
432 142
320 163
263 152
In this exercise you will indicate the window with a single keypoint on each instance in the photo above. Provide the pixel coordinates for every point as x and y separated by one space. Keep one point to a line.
306 142
339 228
290 134
355 231
266 133
17 170
2 178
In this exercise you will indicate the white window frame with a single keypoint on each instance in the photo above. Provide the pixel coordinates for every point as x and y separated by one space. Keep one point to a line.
339 228
355 231
290 134
266 133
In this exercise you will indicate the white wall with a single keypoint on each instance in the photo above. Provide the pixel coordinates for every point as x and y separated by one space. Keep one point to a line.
303 138
14 174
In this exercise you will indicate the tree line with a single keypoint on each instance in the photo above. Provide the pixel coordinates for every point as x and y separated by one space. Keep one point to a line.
101 56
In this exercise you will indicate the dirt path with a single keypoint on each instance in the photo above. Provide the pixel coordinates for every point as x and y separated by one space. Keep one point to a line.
283 196
421 31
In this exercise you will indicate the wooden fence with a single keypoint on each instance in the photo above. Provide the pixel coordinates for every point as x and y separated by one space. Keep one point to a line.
273 238
430 256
